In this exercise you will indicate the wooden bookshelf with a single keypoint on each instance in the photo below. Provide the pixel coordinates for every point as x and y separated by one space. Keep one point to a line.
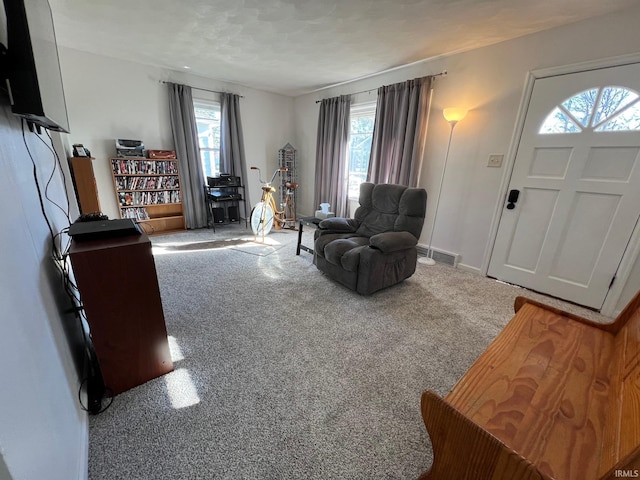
149 191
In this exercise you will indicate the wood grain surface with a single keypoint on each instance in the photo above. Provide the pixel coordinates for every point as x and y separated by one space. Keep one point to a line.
554 396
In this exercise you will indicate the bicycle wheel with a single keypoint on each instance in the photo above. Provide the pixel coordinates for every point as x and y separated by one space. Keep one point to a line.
261 219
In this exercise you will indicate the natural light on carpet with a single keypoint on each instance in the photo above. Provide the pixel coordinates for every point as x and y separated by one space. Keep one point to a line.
182 391
246 244
174 349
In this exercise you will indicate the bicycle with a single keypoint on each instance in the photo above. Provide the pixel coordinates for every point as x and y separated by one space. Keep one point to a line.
265 214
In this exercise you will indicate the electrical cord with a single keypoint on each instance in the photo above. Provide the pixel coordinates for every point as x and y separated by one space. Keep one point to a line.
108 394
60 258
56 163
35 177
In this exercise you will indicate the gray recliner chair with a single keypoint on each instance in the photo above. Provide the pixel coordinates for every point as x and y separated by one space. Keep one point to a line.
376 248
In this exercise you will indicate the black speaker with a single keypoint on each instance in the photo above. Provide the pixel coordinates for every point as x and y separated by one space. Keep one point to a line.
232 211
218 215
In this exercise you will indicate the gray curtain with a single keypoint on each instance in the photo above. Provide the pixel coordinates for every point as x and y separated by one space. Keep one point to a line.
232 159
331 154
399 132
185 138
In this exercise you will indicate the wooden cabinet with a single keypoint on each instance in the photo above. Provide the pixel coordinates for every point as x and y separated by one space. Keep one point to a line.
149 191
85 183
119 290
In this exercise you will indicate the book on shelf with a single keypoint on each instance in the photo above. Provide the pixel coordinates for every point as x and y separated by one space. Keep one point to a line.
160 197
128 166
136 213
147 183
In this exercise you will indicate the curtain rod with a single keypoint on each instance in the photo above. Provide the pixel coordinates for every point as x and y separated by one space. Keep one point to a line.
441 74
203 89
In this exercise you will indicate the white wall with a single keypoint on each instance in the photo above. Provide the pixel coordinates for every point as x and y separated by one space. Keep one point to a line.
43 430
489 81
109 99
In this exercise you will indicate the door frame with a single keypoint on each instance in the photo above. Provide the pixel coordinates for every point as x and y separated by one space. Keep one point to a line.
632 252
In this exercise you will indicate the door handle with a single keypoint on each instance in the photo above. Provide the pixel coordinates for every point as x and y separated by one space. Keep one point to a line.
512 199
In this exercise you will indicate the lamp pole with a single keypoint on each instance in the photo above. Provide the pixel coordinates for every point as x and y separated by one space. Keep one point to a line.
453 116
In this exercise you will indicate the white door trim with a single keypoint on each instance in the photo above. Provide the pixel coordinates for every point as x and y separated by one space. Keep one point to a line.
633 250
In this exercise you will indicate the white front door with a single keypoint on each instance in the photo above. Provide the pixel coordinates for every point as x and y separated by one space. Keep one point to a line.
577 174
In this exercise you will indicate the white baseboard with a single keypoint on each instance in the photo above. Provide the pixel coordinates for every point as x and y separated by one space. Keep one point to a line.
469 268
440 256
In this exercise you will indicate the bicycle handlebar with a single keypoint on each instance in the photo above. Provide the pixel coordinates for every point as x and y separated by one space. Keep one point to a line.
281 169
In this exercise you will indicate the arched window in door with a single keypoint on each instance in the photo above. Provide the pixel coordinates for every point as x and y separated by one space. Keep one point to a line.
603 109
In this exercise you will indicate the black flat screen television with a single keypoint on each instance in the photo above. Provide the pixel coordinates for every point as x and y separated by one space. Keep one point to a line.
32 69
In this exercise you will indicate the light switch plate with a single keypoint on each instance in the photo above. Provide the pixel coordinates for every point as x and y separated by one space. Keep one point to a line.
495 161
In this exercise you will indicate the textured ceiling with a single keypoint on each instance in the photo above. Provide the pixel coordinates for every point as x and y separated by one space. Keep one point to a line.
295 46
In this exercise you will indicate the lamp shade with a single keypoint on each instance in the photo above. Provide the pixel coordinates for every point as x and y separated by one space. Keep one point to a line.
454 114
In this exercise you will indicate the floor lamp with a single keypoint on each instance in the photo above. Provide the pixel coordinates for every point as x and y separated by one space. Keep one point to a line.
453 116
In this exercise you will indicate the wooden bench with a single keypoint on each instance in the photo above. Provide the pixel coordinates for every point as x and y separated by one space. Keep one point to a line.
555 396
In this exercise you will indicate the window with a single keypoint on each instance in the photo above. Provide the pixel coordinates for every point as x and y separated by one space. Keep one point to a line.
604 109
208 124
360 136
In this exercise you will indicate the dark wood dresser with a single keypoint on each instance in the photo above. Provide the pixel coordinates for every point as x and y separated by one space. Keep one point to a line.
119 290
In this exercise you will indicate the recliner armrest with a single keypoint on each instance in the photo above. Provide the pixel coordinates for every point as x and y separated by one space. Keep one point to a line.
393 241
339 224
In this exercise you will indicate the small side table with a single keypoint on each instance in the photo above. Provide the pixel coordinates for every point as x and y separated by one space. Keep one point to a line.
305 220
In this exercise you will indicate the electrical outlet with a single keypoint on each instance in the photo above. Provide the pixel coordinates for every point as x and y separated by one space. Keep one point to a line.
495 161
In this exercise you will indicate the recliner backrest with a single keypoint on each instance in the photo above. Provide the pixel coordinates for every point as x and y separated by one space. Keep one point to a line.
390 208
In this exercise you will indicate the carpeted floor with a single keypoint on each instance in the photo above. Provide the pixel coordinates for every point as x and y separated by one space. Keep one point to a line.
280 373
